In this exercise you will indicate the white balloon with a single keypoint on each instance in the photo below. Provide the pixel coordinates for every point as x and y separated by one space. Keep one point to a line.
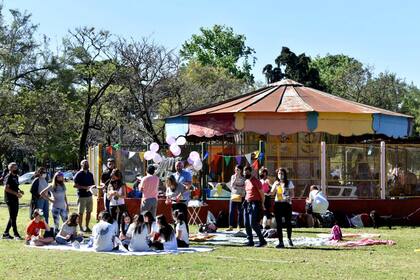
154 147
181 141
175 149
157 158
149 155
198 165
170 140
194 156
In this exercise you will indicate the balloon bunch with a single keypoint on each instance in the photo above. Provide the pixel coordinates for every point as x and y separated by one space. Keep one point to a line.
152 153
195 161
175 143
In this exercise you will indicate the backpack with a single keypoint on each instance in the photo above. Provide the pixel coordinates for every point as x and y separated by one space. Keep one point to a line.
336 233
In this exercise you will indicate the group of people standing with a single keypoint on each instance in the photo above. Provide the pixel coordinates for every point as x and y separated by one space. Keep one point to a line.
251 199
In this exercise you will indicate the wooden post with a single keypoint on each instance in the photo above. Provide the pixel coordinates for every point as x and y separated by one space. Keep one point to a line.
383 170
323 168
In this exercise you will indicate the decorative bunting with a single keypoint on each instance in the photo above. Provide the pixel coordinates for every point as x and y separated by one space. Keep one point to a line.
131 154
238 159
261 157
117 146
227 160
141 155
109 150
248 157
255 165
257 153
206 155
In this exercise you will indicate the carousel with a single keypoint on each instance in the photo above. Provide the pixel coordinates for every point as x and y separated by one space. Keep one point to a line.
358 154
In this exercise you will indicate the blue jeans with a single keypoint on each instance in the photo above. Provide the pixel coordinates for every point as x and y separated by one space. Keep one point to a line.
62 241
45 206
236 208
57 213
252 220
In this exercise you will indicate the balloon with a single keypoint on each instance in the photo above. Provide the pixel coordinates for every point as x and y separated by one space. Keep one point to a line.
181 141
149 155
190 161
157 158
175 149
170 140
194 156
154 147
198 165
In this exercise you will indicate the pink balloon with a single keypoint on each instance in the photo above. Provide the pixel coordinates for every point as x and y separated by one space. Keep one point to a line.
198 165
194 156
149 155
154 147
157 158
181 141
170 140
175 149
190 161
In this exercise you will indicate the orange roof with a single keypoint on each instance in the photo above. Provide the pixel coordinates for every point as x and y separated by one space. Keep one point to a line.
288 96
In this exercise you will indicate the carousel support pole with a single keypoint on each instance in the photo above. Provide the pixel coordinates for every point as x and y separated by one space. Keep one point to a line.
204 171
383 170
323 168
261 148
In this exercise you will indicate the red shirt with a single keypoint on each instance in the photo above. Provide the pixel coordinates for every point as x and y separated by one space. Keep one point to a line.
33 228
252 187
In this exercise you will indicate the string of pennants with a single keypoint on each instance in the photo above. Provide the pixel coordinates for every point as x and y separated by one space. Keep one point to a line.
110 150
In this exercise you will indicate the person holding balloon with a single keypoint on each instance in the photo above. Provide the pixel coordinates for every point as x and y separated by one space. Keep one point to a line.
175 197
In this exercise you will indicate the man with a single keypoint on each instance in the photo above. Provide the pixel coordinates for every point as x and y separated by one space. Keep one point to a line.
254 201
184 178
83 181
12 193
105 178
149 186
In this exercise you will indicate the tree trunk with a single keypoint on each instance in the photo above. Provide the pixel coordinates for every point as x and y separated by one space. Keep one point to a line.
83 136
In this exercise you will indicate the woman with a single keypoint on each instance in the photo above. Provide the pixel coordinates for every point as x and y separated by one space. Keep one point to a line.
125 225
237 188
36 229
60 207
182 237
117 192
138 235
40 199
165 239
103 233
283 190
175 196
151 224
265 182
68 232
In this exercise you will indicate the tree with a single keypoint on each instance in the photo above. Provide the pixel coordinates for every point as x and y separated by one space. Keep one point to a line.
411 106
296 67
92 65
220 47
343 76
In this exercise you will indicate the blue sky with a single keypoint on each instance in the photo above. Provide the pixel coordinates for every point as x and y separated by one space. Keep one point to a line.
384 34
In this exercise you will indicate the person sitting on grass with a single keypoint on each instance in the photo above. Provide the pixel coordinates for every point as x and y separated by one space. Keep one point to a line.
36 229
152 227
165 239
68 232
182 237
138 235
125 225
103 233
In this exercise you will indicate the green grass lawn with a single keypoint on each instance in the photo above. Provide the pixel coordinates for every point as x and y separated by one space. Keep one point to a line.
225 262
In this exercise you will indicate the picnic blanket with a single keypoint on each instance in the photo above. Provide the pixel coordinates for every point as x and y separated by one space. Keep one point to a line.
85 248
352 235
362 242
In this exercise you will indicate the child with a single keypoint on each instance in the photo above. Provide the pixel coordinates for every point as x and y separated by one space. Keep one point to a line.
125 225
68 232
165 239
35 230
182 237
137 232
103 233
151 224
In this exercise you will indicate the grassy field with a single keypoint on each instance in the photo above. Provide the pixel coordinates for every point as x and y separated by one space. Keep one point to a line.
225 262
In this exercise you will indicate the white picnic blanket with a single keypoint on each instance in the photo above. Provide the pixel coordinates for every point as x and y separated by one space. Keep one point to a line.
85 248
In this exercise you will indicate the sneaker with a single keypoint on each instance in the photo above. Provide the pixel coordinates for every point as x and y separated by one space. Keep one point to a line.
76 244
229 229
290 242
82 229
261 244
18 237
7 236
280 245
249 244
88 230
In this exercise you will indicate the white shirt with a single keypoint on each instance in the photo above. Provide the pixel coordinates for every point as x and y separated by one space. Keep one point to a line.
103 235
170 245
312 195
184 232
138 241
120 201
